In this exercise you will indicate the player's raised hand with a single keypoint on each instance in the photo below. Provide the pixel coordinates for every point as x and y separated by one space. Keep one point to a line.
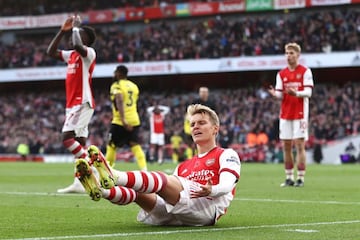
76 21
271 90
68 24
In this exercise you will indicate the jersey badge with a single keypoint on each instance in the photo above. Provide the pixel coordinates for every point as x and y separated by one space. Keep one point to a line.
210 162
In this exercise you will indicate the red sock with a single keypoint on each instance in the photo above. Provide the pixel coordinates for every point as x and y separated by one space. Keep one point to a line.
75 148
121 195
289 170
143 181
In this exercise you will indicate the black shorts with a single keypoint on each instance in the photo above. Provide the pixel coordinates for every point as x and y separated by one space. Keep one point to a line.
120 136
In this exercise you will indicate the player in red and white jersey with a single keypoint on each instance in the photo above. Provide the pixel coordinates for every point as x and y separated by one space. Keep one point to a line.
157 130
197 194
294 86
78 85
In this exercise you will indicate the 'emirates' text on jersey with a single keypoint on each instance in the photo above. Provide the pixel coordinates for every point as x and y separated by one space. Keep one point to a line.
78 84
200 169
130 93
293 107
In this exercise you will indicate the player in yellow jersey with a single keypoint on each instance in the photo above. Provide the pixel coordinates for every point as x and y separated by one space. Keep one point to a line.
189 151
125 124
176 141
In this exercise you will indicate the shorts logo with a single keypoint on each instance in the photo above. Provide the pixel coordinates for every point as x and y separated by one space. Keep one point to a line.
302 125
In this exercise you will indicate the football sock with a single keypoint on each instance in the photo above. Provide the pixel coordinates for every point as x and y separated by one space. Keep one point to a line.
75 148
289 171
110 155
119 195
301 171
140 156
160 155
189 153
175 158
142 181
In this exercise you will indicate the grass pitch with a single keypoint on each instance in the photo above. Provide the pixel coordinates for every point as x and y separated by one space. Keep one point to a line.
328 207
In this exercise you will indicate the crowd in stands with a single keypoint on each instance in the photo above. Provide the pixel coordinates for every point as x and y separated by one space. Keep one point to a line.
36 118
322 30
38 7
248 115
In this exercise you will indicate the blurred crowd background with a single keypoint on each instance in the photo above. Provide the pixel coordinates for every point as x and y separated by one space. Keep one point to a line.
248 115
328 29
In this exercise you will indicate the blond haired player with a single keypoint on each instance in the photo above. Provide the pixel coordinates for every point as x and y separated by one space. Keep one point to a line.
294 86
197 194
125 124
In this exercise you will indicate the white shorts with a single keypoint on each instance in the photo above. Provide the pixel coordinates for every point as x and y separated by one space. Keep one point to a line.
293 129
77 119
157 139
188 211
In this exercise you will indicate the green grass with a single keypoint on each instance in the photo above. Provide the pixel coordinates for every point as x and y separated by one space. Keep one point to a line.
326 208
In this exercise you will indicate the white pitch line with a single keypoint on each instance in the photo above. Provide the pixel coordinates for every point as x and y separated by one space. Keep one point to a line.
295 201
236 199
302 230
44 194
192 230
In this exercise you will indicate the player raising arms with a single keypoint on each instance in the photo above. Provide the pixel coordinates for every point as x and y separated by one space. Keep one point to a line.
294 86
157 115
197 194
78 85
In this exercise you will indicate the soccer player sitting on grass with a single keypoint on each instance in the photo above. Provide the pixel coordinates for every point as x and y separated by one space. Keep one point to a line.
197 194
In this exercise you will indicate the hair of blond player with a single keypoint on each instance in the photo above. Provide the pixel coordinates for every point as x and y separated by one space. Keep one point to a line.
294 46
202 109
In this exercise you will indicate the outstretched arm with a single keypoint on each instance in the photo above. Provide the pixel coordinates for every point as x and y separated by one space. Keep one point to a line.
53 50
230 166
119 101
274 93
307 92
76 37
226 184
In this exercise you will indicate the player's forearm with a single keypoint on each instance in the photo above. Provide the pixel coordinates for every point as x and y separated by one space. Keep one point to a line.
307 92
278 94
121 113
226 184
53 46
76 38
120 106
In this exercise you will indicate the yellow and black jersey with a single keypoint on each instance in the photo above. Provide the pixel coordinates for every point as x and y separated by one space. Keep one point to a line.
130 94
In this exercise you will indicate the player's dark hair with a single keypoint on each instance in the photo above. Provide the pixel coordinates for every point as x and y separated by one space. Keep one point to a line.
122 69
91 34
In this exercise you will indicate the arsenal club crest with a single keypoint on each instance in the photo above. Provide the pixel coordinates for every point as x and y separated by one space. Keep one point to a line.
210 162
